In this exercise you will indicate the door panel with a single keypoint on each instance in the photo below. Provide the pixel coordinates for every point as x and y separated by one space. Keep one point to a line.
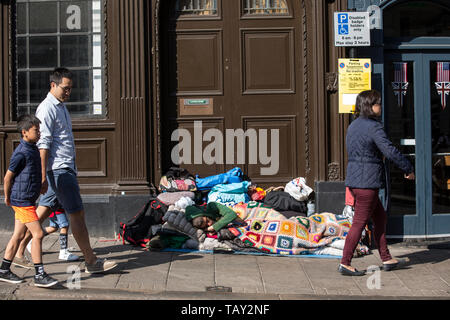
437 128
201 154
419 125
199 67
268 61
400 107
403 120
286 147
440 139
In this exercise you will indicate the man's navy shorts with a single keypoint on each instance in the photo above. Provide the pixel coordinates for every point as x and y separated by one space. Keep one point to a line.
62 187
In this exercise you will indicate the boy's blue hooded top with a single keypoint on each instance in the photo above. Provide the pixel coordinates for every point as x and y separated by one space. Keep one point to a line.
367 142
28 178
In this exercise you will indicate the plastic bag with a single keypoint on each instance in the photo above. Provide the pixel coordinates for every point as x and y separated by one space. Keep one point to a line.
232 176
230 194
298 189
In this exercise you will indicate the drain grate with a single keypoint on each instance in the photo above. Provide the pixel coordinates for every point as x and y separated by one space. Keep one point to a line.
219 289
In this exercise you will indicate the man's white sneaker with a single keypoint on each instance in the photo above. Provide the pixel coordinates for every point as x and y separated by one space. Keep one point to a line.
66 255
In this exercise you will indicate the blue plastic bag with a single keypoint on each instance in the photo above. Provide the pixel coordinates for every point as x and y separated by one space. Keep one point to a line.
237 187
232 176
230 194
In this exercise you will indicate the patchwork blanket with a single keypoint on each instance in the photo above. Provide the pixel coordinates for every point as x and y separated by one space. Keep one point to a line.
268 231
256 210
299 235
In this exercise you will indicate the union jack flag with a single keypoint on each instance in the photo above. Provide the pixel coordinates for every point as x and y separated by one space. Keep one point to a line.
400 83
443 81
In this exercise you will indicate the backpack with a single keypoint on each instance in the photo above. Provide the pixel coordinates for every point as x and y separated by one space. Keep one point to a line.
137 231
283 201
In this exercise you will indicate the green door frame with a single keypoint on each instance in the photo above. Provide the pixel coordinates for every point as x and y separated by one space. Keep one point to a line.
423 223
413 224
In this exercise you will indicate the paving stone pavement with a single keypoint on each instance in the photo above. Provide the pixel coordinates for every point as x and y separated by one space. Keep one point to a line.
153 275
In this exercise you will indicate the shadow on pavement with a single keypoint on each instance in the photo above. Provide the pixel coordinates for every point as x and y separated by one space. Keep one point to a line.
135 257
431 256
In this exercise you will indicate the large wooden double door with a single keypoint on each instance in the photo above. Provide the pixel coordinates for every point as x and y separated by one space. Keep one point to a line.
233 68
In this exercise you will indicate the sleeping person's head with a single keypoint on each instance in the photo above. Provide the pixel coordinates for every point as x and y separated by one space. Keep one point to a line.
202 222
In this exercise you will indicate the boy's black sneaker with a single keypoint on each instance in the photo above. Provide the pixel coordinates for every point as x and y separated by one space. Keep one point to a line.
44 280
10 277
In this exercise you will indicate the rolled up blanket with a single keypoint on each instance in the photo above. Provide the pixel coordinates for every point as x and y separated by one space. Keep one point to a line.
170 198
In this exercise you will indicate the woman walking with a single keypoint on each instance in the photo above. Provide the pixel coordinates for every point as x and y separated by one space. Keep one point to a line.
367 143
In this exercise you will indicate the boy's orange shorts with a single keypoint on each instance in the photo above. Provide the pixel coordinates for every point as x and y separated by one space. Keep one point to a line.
26 214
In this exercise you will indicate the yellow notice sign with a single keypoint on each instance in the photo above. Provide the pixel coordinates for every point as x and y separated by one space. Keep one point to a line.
354 76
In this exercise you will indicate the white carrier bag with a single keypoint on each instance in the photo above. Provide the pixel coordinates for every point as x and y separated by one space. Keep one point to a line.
298 189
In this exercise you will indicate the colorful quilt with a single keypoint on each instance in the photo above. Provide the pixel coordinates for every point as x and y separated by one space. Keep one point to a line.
269 231
257 210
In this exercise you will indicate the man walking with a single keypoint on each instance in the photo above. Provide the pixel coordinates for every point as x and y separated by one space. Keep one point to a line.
59 172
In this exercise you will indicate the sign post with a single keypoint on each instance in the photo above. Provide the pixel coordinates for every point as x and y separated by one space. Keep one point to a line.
354 77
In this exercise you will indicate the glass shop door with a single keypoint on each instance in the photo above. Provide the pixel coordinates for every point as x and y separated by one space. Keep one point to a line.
417 119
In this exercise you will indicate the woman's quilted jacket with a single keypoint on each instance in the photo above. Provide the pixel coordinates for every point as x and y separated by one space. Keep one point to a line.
367 143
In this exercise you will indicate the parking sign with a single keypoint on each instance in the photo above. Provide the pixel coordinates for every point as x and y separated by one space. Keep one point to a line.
342 17
351 29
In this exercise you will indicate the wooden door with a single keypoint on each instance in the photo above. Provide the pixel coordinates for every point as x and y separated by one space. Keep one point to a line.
231 75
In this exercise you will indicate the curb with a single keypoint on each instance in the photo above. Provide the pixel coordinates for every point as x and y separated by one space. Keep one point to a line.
60 292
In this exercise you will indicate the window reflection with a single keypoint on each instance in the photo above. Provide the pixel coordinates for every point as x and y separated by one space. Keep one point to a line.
416 19
43 52
39 86
440 135
196 7
59 33
399 109
78 16
265 7
73 51
42 17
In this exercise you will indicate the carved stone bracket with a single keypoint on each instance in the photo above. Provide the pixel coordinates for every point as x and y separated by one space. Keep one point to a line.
334 171
331 81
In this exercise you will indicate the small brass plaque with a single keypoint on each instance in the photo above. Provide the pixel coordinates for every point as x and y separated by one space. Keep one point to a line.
197 106
196 102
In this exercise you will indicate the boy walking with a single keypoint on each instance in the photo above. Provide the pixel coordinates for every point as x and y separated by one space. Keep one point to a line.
22 186
58 221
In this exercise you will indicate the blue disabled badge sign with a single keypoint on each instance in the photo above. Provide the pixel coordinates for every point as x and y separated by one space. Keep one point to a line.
351 29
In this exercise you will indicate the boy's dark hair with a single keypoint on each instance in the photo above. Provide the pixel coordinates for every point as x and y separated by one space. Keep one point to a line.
26 122
364 102
59 73
197 222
